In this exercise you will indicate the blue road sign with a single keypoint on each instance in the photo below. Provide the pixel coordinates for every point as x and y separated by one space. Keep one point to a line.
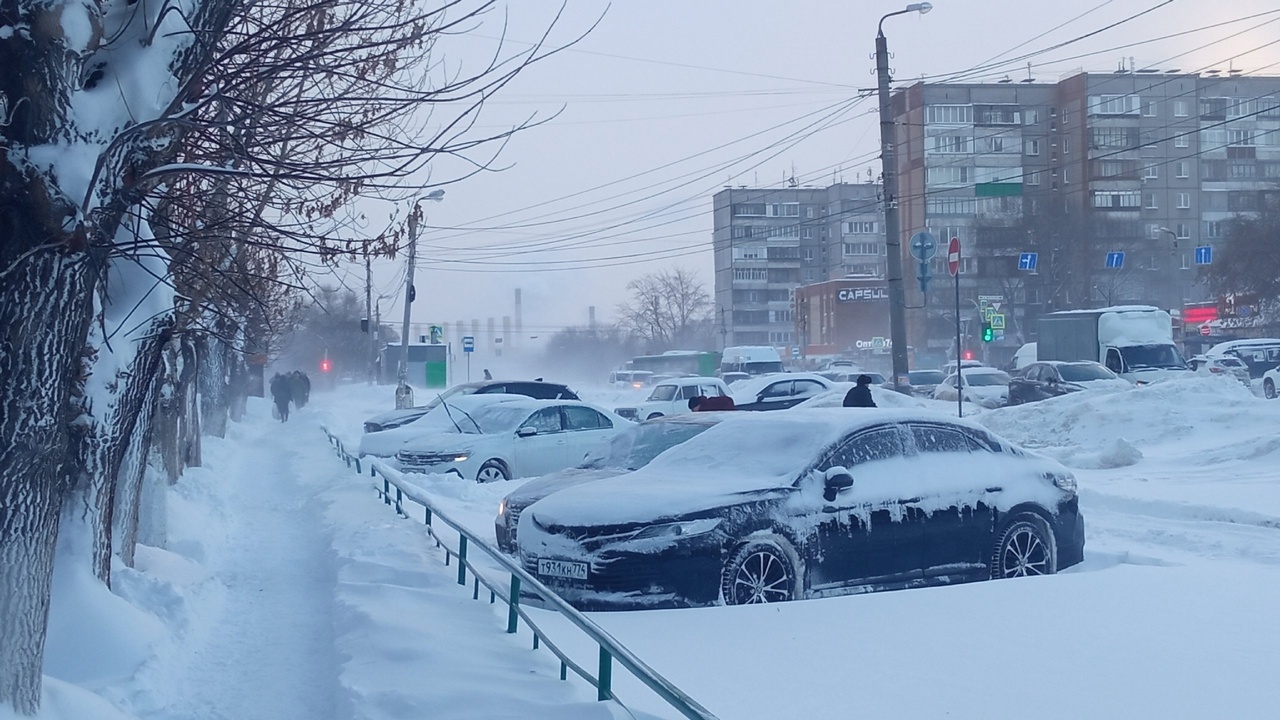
1115 260
1027 261
468 343
923 246
1204 255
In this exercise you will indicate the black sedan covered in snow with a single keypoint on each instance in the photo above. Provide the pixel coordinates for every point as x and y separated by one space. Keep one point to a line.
807 503
629 450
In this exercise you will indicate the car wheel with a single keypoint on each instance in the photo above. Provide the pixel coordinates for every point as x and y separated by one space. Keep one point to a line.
655 415
1026 547
493 471
1269 389
760 571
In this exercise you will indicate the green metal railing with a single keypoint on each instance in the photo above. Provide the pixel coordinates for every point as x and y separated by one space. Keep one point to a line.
393 490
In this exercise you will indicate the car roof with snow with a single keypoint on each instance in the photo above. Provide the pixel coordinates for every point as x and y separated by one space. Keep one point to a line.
745 453
753 386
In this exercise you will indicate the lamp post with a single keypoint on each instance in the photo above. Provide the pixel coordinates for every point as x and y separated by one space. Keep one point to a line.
1175 291
404 393
888 170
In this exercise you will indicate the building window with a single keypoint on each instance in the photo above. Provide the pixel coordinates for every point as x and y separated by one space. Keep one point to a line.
1032 147
1116 199
1241 137
1180 108
1151 201
1153 231
750 274
1183 231
738 232
808 253
750 209
1182 140
1066 144
806 233
1065 176
749 252
949 206
808 212
1149 109
1212 229
949 114
1114 105
780 316
1184 201
1032 178
861 248
1150 172
949 144
1030 117
1066 116
1268 107
784 210
948 175
1184 170
860 227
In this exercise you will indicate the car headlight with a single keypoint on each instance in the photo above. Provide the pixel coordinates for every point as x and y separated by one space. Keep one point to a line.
502 510
677 529
460 457
1065 482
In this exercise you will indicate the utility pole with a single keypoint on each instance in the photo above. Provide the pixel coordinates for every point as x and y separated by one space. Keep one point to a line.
404 393
368 315
893 239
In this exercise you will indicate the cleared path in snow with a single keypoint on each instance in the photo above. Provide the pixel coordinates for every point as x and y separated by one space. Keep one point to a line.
270 655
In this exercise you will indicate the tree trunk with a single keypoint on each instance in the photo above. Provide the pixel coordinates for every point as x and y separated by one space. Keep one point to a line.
45 312
213 385
132 474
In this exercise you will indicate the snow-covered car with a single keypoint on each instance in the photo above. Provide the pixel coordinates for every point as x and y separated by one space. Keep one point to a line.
730 378
529 388
629 378
778 391
1271 383
449 416
985 386
803 504
1051 378
883 397
671 397
950 367
1220 365
923 382
629 450
842 375
521 438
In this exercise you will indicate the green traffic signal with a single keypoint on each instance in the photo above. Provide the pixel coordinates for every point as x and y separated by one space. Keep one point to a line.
987 333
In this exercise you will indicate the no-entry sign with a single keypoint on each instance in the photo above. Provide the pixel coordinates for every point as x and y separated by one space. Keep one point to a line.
953 256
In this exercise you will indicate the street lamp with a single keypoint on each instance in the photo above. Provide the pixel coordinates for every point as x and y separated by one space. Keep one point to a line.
1175 291
404 393
888 170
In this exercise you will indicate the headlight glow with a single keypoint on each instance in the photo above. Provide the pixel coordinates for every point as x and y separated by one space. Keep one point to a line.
677 529
460 457
502 508
1065 482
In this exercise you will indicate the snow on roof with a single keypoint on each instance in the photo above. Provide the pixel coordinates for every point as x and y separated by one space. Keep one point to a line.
1113 308
747 390
1229 345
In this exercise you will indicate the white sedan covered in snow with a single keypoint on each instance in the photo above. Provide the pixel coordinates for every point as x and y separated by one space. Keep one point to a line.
447 417
520 438
983 386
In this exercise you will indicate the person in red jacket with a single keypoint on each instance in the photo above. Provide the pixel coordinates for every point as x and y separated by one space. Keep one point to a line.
715 403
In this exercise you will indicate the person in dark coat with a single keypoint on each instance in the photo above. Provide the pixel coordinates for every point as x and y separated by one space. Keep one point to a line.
299 388
281 394
715 403
860 394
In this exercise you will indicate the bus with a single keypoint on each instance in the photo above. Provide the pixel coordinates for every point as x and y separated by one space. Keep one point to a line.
679 362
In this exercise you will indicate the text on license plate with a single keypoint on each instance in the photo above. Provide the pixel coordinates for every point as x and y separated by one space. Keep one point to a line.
563 568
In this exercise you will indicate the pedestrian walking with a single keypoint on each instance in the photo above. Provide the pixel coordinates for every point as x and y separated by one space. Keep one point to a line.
299 388
860 394
281 394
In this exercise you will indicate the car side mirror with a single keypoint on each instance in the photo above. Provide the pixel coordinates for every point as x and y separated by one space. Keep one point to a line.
527 432
834 483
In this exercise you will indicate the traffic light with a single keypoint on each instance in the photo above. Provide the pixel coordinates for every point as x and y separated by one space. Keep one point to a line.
967 355
325 365
987 333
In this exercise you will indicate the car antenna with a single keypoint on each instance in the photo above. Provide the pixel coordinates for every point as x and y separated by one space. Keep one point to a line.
450 415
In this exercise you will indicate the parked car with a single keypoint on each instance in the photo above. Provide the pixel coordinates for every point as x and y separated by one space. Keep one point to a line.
843 375
983 386
1259 354
949 368
514 439
629 378
778 391
1052 378
671 397
529 388
449 416
629 450
923 382
1220 365
731 377
803 504
1270 381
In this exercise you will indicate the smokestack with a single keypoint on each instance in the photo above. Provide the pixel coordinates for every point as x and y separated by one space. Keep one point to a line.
493 337
459 331
506 331
519 320
591 317
475 328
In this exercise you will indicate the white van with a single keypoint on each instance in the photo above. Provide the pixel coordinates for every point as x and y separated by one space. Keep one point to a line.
1259 354
751 359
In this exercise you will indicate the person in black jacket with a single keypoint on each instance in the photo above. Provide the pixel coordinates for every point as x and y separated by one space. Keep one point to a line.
281 393
860 394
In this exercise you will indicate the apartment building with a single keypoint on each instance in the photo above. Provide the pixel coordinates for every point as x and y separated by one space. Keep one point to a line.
769 241
1144 163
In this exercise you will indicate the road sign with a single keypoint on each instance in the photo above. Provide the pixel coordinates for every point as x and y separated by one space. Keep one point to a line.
468 343
1205 330
1027 261
953 257
436 334
924 246
1115 260
988 312
997 321
1204 255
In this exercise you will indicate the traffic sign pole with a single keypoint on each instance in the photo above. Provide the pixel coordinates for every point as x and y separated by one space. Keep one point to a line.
953 266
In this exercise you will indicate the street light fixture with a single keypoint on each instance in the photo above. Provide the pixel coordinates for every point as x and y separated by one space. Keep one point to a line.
404 393
893 241
1175 291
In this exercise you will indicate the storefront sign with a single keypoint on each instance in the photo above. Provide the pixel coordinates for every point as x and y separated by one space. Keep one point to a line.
867 294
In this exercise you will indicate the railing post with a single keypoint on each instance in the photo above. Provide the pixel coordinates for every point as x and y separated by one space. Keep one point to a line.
358 470
426 513
462 560
399 502
604 682
475 592
386 491
513 605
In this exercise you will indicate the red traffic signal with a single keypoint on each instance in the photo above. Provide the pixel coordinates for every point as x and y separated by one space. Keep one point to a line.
325 365
967 355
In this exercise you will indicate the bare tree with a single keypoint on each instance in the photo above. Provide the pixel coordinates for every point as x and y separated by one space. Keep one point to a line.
668 308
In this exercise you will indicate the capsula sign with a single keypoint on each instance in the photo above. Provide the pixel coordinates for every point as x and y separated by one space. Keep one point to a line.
863 294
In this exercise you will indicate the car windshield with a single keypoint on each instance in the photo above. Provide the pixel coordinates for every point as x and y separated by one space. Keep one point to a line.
1152 356
492 419
1084 372
663 392
1229 362
634 449
925 377
986 379
452 392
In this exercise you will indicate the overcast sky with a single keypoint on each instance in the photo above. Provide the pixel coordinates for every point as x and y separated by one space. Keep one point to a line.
667 101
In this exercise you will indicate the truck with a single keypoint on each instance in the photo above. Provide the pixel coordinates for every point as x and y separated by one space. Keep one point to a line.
1133 341
751 359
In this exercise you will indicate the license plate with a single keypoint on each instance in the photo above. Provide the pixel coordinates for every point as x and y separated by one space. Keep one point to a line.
563 569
